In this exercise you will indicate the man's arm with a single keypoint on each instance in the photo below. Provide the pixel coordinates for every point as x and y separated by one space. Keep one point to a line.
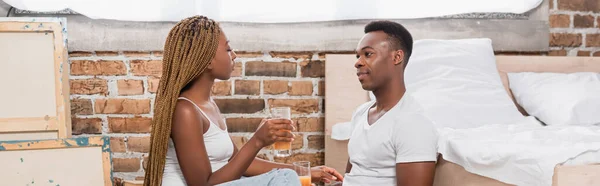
348 167
415 173
415 143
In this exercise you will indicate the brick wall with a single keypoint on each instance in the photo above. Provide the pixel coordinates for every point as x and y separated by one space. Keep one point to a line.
575 27
112 94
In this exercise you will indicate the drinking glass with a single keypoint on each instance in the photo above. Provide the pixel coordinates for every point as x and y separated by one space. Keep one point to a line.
302 168
281 148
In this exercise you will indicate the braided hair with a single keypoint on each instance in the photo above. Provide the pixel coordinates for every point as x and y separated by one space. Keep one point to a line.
190 47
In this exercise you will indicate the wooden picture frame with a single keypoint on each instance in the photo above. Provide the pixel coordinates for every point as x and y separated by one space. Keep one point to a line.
28 114
29 161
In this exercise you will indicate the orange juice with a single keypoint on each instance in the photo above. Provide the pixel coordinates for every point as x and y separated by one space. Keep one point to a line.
305 181
282 145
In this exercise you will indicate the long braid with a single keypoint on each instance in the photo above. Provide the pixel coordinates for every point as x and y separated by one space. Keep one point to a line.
189 49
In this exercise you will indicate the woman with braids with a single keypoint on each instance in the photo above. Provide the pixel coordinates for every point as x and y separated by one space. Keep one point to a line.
190 144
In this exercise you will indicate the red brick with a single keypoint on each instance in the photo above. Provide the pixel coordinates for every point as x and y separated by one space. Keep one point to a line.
557 53
130 87
281 69
221 88
117 144
89 86
310 124
146 68
551 4
81 107
239 141
86 126
243 124
512 53
579 5
295 55
138 144
243 54
106 53
153 84
298 106
313 69
247 87
275 86
122 106
321 88
248 106
126 164
237 70
592 40
130 125
583 21
136 54
316 142
323 57
584 53
301 88
566 40
145 162
80 54
298 142
560 21
316 159
102 67
596 54
157 54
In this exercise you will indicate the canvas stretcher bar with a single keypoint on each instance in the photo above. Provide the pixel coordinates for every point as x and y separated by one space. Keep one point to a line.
73 161
34 75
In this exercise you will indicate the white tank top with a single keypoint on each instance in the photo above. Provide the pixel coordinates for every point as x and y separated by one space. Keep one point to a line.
218 146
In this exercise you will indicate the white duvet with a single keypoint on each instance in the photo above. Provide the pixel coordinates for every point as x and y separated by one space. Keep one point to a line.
520 154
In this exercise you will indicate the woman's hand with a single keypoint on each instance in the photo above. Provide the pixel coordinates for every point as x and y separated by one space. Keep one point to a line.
325 174
272 130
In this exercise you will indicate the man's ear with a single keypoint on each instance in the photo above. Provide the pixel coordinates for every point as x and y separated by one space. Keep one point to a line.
398 57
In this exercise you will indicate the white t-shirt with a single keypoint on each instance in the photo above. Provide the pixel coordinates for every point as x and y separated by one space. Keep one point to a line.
403 134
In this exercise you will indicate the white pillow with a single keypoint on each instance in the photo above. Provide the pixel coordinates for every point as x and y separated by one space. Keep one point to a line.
558 98
458 84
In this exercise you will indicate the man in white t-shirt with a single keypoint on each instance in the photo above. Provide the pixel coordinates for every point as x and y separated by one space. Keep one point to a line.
392 142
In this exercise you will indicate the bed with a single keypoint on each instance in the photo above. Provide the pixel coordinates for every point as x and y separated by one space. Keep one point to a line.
339 108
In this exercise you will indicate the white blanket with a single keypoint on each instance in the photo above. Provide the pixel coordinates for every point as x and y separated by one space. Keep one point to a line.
274 11
520 154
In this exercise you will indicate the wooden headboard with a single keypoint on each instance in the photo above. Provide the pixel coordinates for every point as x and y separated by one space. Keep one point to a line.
507 64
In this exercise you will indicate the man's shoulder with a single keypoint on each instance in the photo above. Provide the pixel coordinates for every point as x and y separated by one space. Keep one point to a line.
412 114
363 108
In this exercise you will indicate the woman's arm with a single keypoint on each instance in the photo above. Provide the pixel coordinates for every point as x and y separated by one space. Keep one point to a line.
187 133
320 173
260 166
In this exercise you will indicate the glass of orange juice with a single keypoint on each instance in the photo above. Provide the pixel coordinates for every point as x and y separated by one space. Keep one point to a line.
302 168
281 148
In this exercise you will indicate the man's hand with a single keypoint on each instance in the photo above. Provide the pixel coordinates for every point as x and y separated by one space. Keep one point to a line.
325 174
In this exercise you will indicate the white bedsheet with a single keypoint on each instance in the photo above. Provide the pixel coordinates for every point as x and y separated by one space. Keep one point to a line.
520 154
274 11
